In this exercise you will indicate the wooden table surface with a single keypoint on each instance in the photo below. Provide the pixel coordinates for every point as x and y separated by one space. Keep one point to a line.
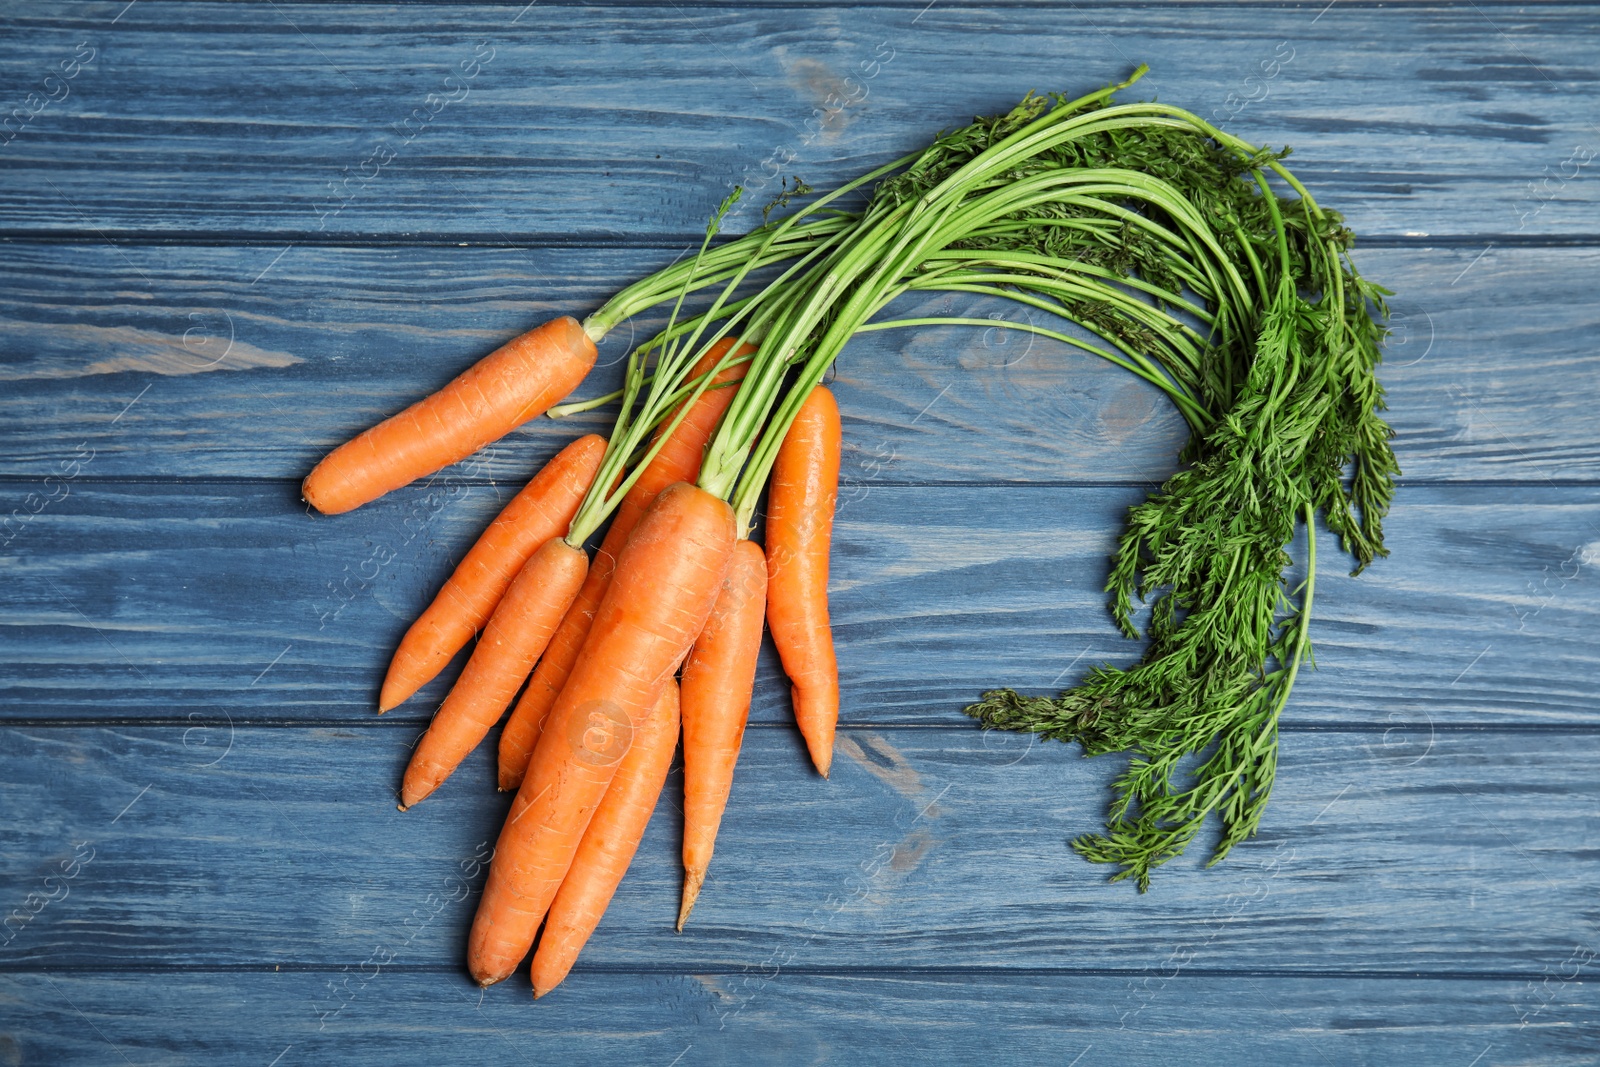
234 234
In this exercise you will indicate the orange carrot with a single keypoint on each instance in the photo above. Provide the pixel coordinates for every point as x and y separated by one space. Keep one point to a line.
800 502
717 681
608 844
517 633
666 582
678 461
541 511
511 385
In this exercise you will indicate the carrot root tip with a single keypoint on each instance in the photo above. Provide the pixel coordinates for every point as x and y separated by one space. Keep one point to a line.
821 752
692 881
389 696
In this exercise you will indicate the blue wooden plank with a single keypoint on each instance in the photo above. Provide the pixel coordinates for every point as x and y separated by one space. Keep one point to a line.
633 121
393 1017
1424 887
1463 853
221 599
252 362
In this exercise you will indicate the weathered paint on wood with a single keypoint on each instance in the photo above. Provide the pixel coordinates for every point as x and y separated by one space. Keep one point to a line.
253 361
195 302
385 1016
927 848
225 599
627 122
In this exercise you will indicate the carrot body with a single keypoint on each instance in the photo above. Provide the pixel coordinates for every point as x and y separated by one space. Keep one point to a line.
494 396
608 844
800 503
678 461
717 681
667 579
517 633
542 510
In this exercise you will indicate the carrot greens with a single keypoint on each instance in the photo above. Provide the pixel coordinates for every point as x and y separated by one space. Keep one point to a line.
1197 262
1145 237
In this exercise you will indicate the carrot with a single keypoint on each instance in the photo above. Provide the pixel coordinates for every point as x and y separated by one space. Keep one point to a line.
717 681
517 633
667 579
511 385
542 510
608 844
800 502
678 460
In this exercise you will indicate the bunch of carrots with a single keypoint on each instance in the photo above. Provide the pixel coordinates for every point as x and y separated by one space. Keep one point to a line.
675 584
657 634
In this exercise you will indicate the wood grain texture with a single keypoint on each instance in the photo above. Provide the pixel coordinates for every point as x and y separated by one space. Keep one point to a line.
233 242
227 600
282 847
252 362
1431 120
736 1020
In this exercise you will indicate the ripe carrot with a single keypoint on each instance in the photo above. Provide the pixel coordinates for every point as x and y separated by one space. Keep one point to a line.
717 681
800 503
667 579
608 844
517 633
494 396
678 461
542 510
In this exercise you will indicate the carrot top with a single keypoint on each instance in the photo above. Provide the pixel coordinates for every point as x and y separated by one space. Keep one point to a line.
1157 242
1179 252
